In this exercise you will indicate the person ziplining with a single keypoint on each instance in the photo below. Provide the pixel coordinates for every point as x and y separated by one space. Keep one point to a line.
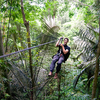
61 56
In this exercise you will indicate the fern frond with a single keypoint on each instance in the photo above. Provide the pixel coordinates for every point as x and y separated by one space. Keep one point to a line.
86 41
85 67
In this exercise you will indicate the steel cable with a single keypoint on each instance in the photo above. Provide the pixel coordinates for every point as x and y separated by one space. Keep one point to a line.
27 49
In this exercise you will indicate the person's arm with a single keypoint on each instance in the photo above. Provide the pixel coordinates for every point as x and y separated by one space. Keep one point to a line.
64 51
57 43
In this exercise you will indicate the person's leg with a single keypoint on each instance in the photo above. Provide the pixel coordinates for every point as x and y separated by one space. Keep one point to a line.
52 66
61 59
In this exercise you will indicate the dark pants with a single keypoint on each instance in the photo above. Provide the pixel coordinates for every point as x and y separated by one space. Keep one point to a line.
56 58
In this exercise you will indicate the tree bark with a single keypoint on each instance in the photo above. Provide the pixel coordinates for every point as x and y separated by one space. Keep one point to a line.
26 23
1 43
97 67
59 81
4 70
8 29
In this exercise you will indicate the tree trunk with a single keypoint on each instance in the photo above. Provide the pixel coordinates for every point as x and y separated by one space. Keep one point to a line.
59 81
8 29
97 67
4 70
1 43
26 23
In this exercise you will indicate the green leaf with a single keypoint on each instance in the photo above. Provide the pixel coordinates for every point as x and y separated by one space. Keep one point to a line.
7 95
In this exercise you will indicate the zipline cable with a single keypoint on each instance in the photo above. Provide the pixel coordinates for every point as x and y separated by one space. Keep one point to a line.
27 49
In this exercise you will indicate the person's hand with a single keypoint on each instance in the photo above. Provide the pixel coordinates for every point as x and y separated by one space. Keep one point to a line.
61 45
61 38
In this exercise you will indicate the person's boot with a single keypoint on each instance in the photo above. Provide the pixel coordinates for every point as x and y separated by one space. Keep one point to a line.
56 76
50 73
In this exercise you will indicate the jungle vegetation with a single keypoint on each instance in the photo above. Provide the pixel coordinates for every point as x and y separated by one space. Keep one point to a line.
25 27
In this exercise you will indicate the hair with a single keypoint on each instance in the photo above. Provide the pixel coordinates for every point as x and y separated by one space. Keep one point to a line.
67 39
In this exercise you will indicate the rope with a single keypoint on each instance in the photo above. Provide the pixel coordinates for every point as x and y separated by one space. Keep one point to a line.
26 49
